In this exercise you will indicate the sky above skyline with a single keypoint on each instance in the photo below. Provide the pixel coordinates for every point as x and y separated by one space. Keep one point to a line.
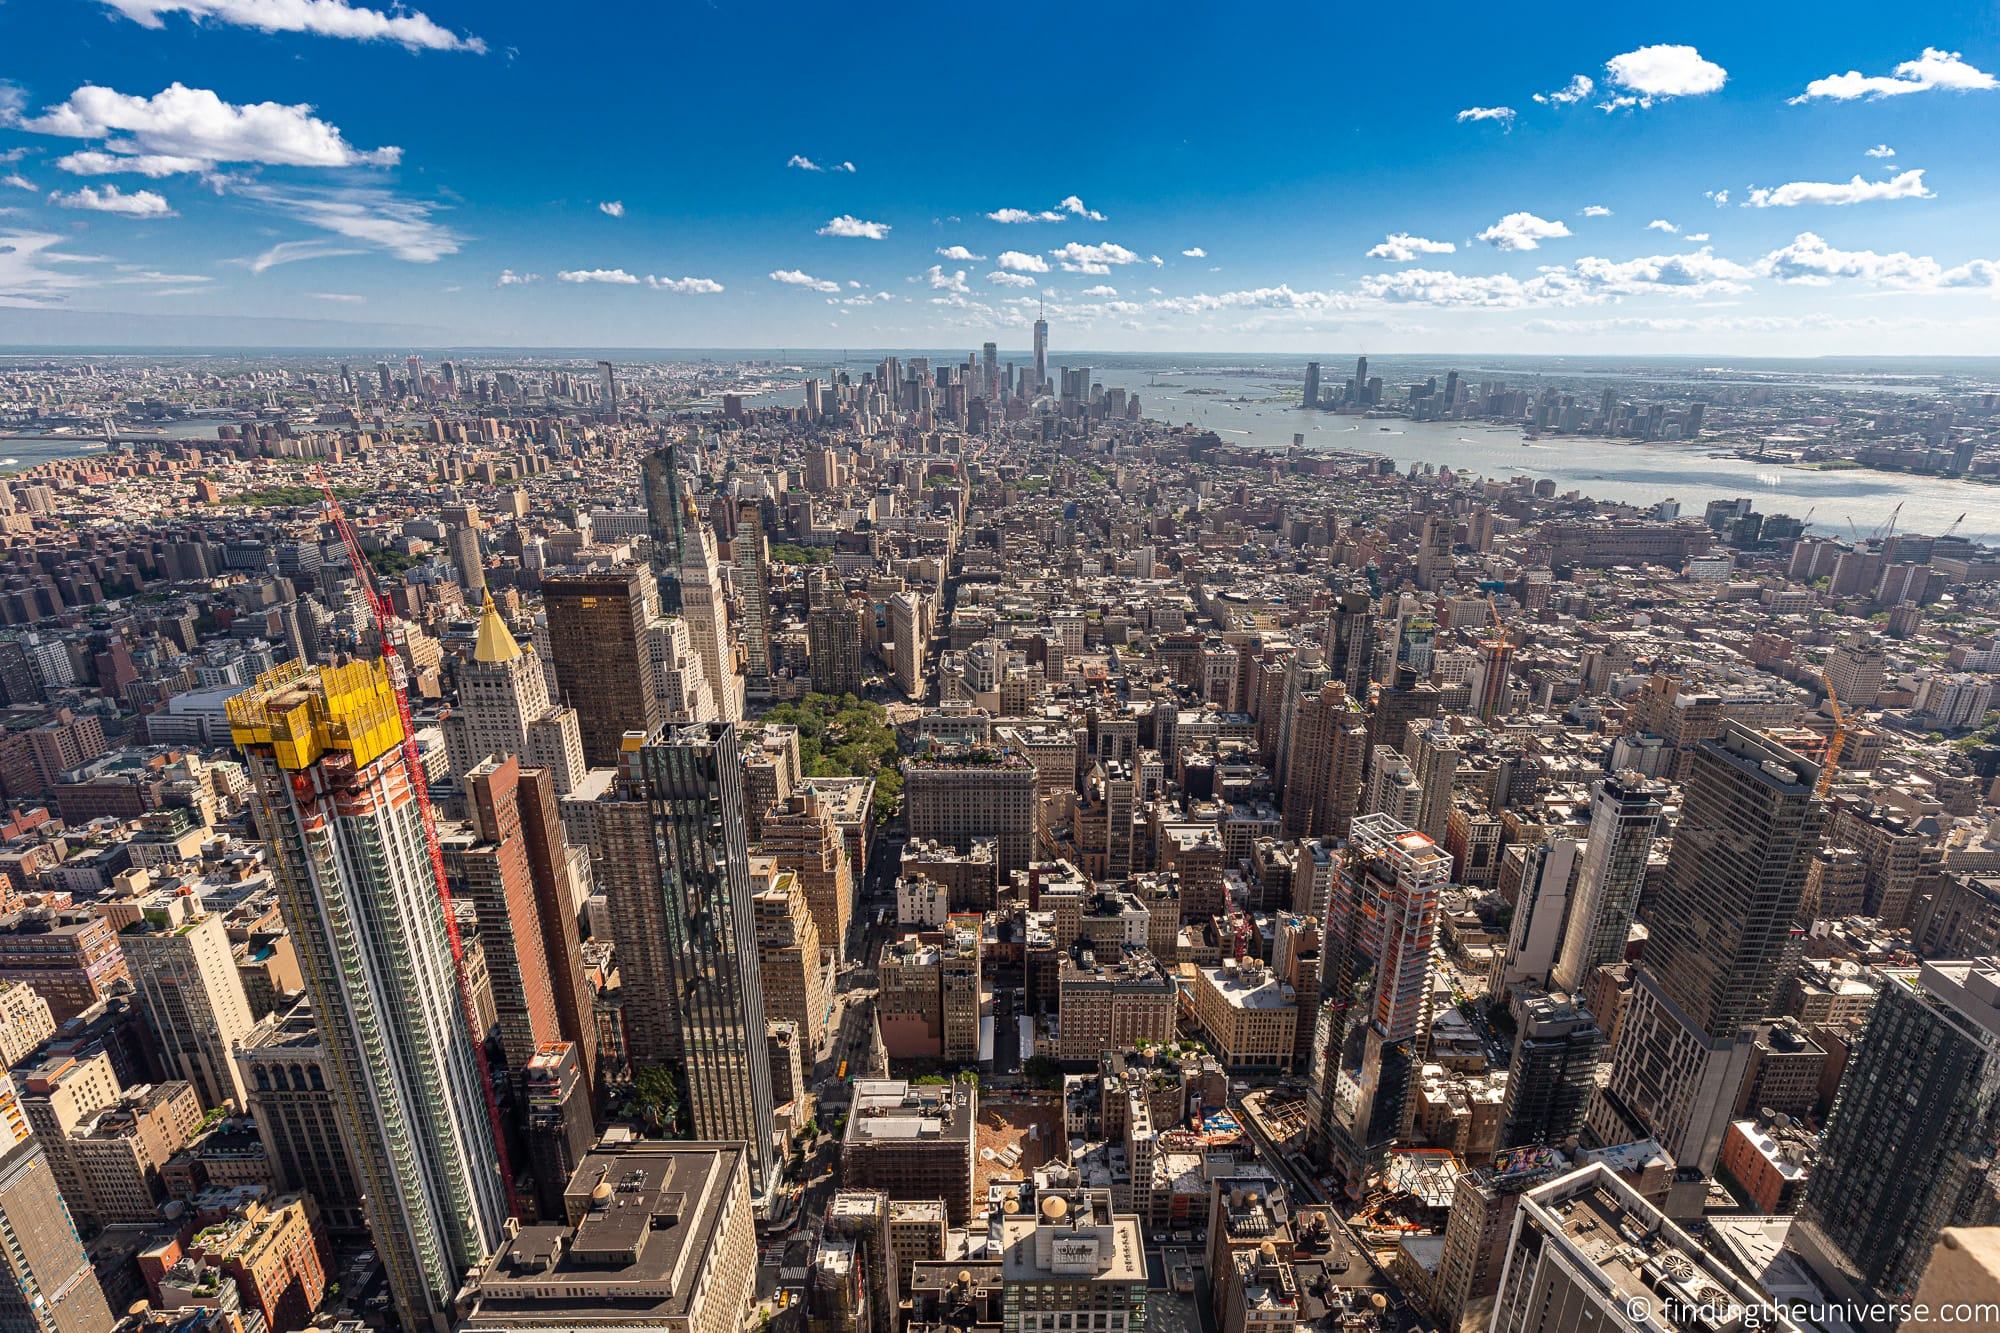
1773 180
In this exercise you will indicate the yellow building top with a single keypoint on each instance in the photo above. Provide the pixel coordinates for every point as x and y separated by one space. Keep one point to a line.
496 642
302 713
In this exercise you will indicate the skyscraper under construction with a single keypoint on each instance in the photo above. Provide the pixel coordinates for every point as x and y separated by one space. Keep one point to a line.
340 811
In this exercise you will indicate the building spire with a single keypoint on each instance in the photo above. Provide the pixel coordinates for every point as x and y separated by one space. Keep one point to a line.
496 642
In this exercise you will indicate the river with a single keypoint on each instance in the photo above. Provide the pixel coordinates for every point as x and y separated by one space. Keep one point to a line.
1623 470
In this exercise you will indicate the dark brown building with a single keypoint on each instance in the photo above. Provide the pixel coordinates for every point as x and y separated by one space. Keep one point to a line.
603 655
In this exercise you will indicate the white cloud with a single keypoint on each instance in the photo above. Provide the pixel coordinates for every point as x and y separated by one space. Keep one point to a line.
1661 224
942 281
1810 261
1658 73
614 208
344 298
1400 247
791 277
1094 259
1016 261
1906 185
1003 279
15 180
1700 273
615 276
90 162
1588 281
684 286
196 126
1934 70
368 216
1070 207
1707 324
1579 87
1419 286
1101 291
801 162
959 253
293 252
509 278
1503 114
324 18
855 228
111 199
1279 298
1720 198
1596 211
1881 150
34 272
1522 231
1194 252
1695 236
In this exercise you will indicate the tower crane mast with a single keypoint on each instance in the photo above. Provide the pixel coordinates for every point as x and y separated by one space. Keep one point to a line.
389 640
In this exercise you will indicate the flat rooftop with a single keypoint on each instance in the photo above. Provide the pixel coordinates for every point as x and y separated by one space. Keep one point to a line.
650 1216
894 1110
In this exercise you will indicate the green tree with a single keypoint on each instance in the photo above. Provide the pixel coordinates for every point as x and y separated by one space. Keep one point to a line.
656 1098
846 737
1041 1071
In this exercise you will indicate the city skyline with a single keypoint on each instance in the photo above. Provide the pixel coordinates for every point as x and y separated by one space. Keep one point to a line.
237 172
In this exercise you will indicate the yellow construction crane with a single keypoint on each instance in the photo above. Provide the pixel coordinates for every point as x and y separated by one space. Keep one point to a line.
1835 745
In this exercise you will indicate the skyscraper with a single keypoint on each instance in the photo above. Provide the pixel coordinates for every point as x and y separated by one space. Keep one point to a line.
1375 974
339 812
1350 643
1909 1146
1624 814
598 635
906 627
47 1284
1434 562
800 833
1589 1252
612 818
1552 1073
1330 737
750 552
1750 823
504 709
691 779
660 478
192 996
1433 754
1041 354
488 866
684 565
284 1067
833 637
1312 384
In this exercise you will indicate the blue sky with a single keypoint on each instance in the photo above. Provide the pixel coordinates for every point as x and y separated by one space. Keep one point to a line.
1750 178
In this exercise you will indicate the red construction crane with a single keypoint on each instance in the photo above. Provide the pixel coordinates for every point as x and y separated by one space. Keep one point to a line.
388 638
1834 746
